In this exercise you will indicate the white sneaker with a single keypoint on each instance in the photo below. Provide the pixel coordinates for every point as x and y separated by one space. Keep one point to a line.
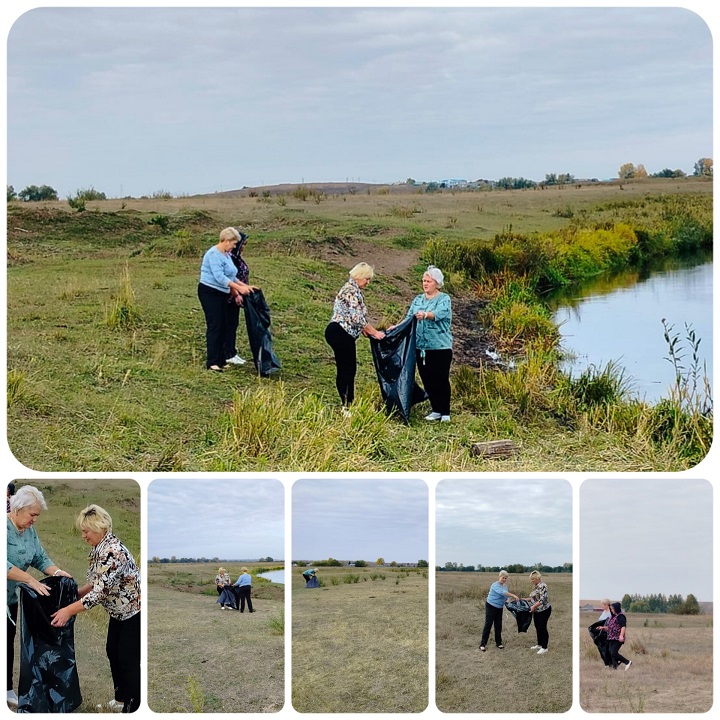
346 413
12 699
433 416
222 607
445 418
627 667
113 705
542 651
536 647
236 360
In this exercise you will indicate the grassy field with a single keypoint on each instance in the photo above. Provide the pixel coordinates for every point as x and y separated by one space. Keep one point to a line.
513 680
106 339
65 546
360 646
202 659
671 672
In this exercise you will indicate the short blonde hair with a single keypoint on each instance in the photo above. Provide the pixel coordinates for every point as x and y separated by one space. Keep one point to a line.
362 271
229 233
536 574
222 570
26 497
94 518
244 569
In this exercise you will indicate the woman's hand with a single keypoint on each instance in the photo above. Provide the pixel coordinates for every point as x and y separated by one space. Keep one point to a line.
61 573
38 587
61 617
423 315
379 335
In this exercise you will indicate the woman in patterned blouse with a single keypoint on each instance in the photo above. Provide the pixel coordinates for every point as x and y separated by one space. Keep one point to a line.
541 610
113 581
349 320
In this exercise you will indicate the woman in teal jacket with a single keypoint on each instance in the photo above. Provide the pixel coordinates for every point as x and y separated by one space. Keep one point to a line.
433 342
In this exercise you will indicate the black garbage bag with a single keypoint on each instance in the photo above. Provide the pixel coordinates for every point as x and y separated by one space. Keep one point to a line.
600 639
257 321
230 595
520 610
394 360
48 673
312 582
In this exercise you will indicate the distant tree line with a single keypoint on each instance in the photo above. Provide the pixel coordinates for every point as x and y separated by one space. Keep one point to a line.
189 560
332 562
660 603
513 568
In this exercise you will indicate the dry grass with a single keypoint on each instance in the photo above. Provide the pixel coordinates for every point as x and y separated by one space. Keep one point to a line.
201 659
515 679
672 669
360 647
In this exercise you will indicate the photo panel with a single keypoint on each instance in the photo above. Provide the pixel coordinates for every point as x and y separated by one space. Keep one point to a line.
503 595
74 634
360 596
216 596
646 595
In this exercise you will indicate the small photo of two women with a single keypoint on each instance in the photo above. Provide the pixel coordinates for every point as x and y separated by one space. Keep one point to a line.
73 595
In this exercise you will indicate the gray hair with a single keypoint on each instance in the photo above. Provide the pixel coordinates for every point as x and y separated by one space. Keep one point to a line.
229 233
503 573
27 496
436 274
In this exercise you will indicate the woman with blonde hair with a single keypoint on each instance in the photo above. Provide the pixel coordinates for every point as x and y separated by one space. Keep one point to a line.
222 579
218 280
350 320
113 581
496 599
541 610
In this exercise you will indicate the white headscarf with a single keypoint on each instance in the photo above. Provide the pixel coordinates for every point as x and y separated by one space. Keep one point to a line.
436 274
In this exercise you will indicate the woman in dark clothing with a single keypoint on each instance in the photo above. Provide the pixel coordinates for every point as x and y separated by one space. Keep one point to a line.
235 302
616 630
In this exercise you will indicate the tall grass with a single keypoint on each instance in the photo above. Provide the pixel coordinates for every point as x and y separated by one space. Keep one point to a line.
124 312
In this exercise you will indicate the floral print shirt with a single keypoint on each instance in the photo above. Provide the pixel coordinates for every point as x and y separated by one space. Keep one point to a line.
540 594
222 579
614 625
349 309
115 579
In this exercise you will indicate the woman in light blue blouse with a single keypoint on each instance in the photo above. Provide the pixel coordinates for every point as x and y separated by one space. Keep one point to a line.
350 320
218 280
433 342
24 550
497 597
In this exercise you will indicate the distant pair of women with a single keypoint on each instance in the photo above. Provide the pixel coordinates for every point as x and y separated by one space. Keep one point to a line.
433 311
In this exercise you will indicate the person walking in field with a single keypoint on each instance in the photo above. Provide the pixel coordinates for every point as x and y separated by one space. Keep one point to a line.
616 628
541 609
244 585
349 320
433 342
496 599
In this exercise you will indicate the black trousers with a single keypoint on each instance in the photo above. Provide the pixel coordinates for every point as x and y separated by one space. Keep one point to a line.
434 371
343 345
11 628
215 306
123 652
615 657
245 591
540 619
493 616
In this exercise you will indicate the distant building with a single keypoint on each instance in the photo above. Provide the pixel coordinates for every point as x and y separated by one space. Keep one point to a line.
454 183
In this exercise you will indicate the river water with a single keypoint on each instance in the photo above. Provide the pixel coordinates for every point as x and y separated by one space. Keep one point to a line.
619 318
276 576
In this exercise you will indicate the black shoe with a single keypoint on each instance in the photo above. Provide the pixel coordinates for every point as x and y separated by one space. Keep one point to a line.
252 611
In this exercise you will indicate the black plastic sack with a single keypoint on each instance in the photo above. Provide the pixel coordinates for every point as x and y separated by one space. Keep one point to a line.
48 673
600 639
229 596
312 582
394 360
257 321
520 610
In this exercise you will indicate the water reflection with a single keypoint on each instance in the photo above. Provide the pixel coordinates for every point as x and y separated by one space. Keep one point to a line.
619 318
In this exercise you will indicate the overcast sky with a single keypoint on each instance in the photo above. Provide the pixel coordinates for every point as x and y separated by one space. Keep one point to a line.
499 522
136 100
645 536
229 519
356 519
